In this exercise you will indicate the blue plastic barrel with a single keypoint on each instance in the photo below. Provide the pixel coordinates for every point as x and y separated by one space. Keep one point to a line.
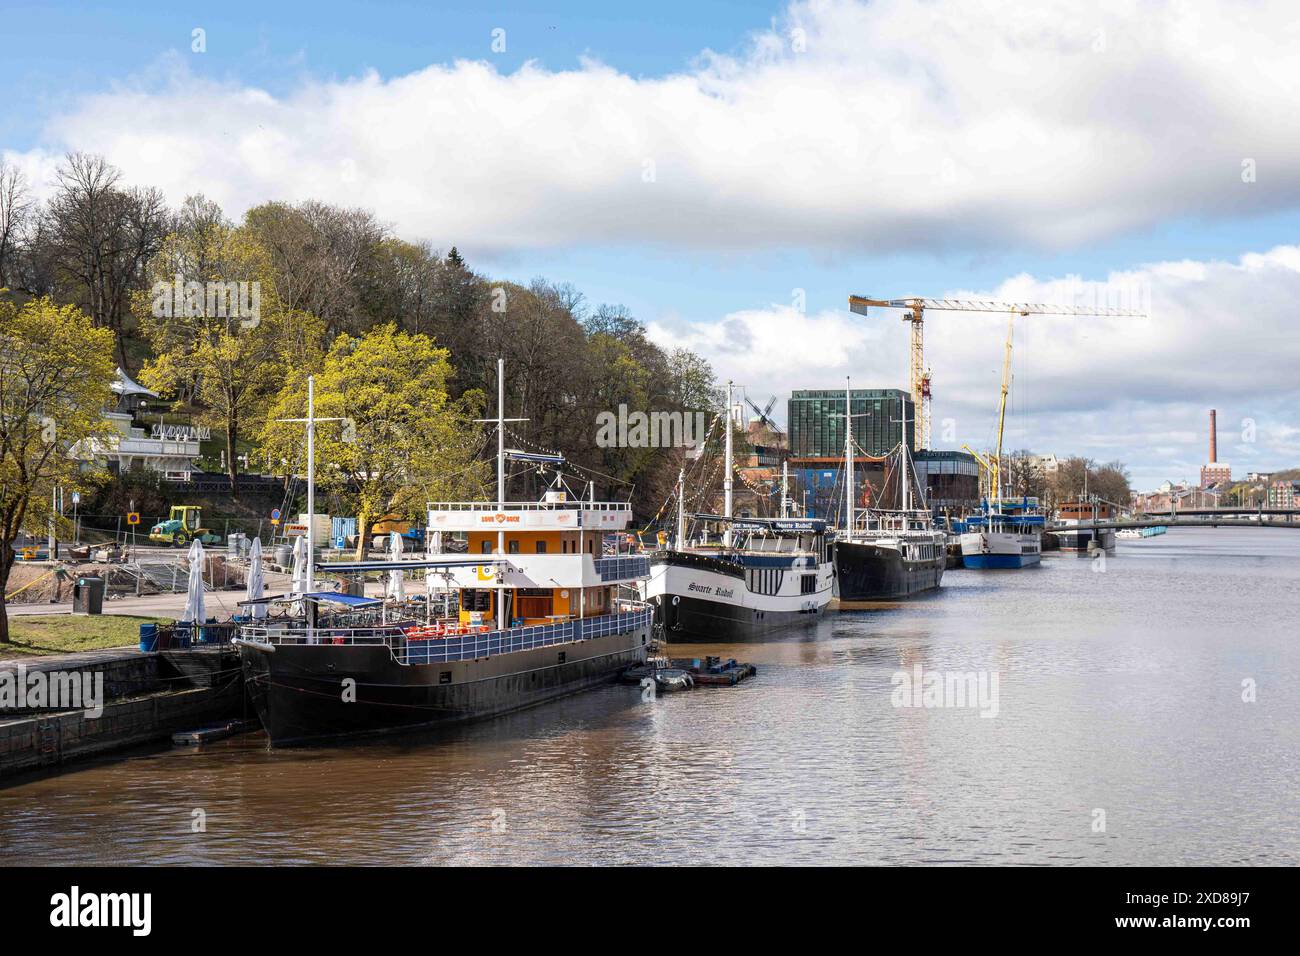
148 638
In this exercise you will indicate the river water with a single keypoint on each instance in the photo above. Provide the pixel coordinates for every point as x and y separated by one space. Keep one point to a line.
1118 735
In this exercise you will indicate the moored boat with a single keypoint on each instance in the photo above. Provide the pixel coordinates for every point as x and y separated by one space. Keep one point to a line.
1150 532
753 576
881 554
1007 534
772 574
540 612
1074 525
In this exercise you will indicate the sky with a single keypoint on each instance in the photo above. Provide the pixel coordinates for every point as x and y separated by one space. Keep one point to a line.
731 172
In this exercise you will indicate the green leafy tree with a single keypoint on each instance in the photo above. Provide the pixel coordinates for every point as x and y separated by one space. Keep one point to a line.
56 376
218 335
403 441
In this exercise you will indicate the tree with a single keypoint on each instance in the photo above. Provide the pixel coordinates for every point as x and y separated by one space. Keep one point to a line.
1076 475
15 214
56 375
216 333
1021 478
324 259
403 441
100 237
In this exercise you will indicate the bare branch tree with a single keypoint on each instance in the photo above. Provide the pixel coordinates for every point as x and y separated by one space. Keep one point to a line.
15 219
101 236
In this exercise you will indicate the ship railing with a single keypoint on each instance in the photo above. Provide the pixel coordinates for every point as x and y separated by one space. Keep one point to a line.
259 634
493 507
529 637
408 650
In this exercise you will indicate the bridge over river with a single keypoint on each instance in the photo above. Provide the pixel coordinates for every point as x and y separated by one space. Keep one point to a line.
1190 518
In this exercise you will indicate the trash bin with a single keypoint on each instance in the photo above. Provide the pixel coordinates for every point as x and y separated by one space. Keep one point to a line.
88 595
148 637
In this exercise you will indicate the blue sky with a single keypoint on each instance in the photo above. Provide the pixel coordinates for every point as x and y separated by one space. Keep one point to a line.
876 109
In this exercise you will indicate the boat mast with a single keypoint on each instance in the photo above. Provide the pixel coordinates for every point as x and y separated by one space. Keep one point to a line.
726 480
681 509
848 457
785 489
1002 408
907 457
501 450
311 485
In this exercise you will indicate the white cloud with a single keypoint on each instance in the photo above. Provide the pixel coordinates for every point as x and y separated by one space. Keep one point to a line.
902 125
1219 335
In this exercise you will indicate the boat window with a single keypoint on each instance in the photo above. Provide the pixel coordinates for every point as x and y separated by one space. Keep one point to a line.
487 546
541 547
514 546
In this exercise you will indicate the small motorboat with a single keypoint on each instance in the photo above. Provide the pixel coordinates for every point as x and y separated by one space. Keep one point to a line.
670 679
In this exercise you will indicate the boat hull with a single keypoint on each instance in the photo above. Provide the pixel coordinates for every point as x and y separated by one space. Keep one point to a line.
1085 540
999 562
699 600
870 572
993 550
300 691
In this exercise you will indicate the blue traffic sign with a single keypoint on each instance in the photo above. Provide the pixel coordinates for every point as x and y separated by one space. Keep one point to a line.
275 514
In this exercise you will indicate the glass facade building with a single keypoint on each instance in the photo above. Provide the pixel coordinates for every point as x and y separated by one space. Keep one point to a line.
816 421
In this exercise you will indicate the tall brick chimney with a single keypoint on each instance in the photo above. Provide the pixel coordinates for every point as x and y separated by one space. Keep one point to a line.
1214 439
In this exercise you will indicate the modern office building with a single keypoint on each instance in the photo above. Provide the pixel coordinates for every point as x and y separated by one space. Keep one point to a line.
816 421
882 419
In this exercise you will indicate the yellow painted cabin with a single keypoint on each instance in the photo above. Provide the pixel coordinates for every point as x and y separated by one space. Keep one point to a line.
535 605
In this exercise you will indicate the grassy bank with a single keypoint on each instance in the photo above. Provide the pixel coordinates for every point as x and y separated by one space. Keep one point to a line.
65 633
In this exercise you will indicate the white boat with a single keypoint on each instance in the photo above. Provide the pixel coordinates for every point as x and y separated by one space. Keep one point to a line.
1008 534
754 576
1141 532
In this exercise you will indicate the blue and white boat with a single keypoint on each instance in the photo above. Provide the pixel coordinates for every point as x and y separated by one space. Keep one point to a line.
1141 532
1008 533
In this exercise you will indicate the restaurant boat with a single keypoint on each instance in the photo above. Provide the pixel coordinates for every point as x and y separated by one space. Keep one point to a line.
540 612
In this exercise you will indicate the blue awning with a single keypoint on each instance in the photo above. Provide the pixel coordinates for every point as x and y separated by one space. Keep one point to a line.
338 597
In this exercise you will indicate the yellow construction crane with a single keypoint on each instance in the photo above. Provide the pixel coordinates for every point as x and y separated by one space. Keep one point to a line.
914 309
994 467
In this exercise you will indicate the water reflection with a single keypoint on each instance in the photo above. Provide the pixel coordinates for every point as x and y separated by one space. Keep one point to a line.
1119 690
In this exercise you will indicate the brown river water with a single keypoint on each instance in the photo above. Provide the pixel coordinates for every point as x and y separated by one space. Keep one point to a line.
1120 736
